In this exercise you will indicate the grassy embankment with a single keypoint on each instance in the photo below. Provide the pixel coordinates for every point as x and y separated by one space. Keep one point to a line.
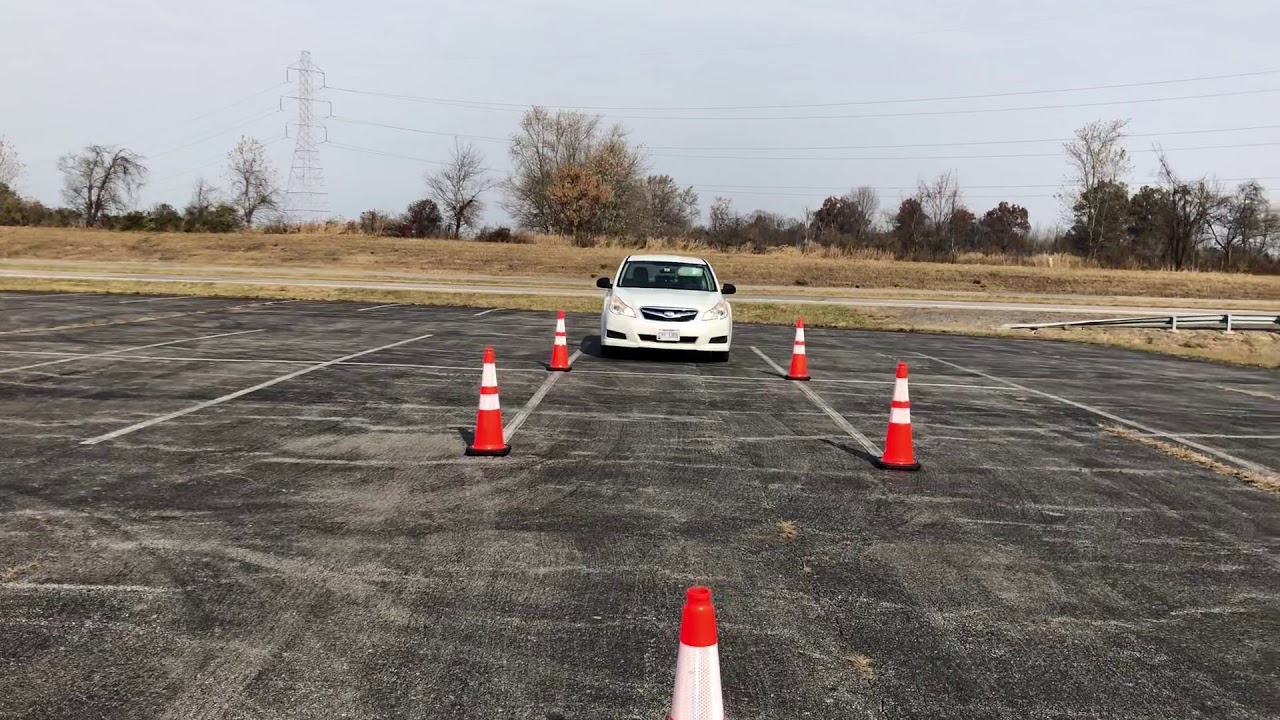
548 264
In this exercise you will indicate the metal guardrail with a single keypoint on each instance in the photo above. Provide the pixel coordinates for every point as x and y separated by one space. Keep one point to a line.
1229 322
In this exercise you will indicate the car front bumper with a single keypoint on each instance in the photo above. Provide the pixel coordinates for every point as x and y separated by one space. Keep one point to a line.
696 335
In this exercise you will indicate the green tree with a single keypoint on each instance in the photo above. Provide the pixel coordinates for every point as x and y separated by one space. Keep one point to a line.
423 219
910 228
1101 219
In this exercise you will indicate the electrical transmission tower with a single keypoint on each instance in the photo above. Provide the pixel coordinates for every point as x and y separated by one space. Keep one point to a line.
306 200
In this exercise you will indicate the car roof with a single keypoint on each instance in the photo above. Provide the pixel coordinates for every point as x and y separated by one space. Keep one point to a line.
668 258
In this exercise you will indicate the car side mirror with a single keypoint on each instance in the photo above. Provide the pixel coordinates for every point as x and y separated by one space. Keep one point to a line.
604 283
729 289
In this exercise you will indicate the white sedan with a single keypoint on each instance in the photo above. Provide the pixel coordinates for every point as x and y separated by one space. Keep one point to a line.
666 302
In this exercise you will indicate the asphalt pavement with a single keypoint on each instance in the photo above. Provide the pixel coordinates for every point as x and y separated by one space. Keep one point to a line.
245 509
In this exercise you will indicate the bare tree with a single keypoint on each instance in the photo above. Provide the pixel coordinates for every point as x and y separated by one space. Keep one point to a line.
458 185
940 201
1192 207
10 166
203 197
100 179
548 141
252 183
1097 157
867 201
670 209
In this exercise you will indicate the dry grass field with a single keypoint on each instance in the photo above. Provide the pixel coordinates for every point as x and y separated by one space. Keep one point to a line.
786 268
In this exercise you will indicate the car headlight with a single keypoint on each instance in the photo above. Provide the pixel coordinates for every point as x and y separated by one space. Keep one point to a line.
719 312
617 307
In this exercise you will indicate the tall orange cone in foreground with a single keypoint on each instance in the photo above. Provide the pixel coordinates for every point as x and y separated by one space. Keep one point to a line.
488 439
799 358
697 693
898 453
560 350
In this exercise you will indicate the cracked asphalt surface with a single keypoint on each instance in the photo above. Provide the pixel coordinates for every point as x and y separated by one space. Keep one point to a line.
320 547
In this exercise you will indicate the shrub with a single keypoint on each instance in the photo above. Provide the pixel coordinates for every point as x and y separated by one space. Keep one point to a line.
503 235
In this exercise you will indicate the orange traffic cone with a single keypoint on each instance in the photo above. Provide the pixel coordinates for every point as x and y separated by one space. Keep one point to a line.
697 693
488 439
799 358
560 350
898 454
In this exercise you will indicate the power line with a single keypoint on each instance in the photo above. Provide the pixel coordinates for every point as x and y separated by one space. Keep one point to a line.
206 163
951 157
1021 22
507 141
927 113
486 105
399 156
215 111
442 133
891 188
209 135
965 195
383 153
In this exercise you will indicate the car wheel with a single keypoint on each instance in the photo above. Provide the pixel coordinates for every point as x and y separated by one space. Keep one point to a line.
718 357
608 351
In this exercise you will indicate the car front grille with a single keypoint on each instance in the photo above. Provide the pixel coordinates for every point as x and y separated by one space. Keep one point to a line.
685 339
666 314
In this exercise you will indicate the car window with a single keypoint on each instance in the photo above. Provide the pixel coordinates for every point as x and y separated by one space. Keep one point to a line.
666 276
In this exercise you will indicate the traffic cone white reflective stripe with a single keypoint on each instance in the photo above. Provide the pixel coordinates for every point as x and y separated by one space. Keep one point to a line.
697 694
488 439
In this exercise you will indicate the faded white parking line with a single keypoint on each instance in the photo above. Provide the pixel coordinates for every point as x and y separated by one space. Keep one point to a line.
1254 393
123 350
75 587
1221 437
532 405
1181 439
486 312
839 419
378 307
241 393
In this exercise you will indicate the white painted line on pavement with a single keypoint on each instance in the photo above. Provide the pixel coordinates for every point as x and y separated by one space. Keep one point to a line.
150 300
1254 393
486 312
530 406
378 307
1222 437
1181 439
844 425
71 587
123 350
241 393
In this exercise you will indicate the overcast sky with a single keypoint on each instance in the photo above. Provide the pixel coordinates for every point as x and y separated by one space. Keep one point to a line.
179 81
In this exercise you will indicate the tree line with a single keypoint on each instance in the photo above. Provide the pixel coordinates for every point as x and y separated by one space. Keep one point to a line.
572 175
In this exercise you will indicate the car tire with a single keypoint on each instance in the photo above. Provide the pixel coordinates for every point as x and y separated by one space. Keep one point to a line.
718 357
608 351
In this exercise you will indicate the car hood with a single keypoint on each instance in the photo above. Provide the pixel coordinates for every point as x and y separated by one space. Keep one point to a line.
647 297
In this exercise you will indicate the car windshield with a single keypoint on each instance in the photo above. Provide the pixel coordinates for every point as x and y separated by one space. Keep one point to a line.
666 276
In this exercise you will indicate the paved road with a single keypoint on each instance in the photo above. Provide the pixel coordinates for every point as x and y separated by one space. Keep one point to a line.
745 296
276 521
